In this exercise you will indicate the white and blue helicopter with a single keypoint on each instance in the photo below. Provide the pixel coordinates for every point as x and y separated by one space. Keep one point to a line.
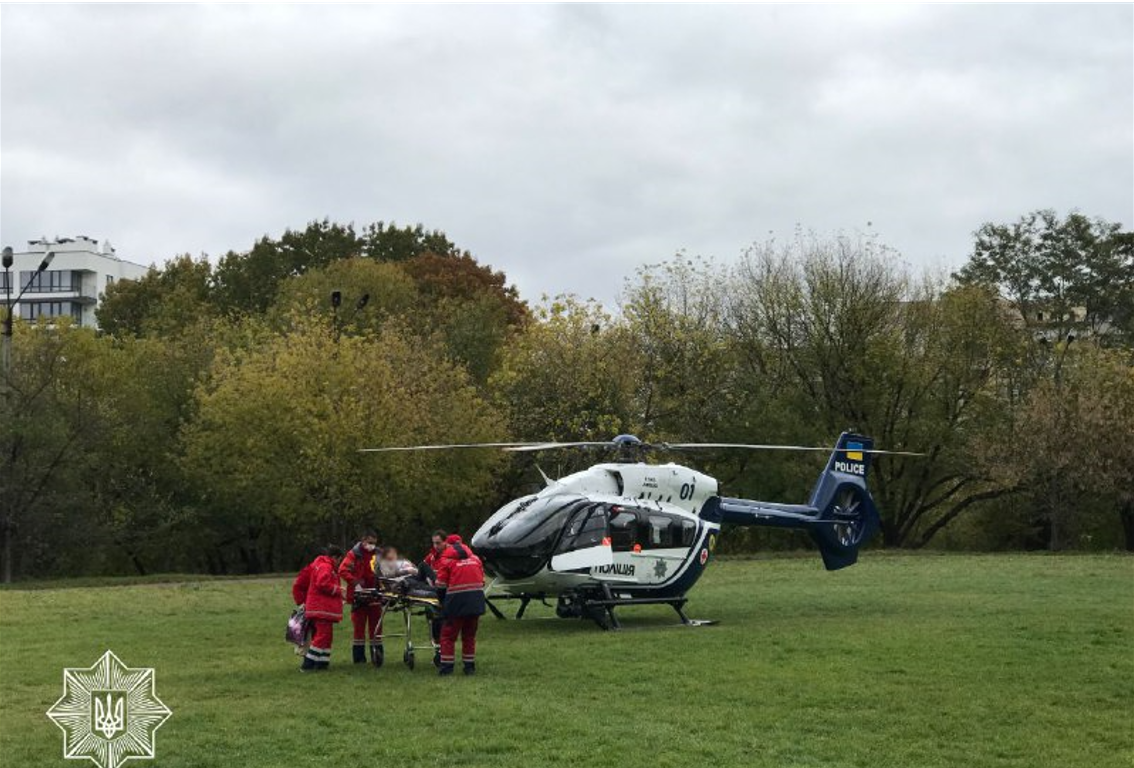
631 533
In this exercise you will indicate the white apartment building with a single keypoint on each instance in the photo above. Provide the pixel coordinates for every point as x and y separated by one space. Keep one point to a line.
73 283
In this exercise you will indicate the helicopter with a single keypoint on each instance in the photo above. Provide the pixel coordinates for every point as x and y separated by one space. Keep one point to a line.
629 533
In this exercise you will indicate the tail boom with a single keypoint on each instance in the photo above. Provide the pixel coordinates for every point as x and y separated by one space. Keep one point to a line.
840 514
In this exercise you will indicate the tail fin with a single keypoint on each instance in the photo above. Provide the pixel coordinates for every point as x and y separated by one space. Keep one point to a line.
847 516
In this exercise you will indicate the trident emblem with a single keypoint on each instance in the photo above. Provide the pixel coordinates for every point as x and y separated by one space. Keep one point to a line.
109 715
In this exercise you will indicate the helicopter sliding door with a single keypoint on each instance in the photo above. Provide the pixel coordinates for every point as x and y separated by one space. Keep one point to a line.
651 544
585 542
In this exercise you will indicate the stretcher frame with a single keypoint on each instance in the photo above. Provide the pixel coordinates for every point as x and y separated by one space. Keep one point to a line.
393 596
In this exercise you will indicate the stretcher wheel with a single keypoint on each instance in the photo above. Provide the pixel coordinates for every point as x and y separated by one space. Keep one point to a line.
407 657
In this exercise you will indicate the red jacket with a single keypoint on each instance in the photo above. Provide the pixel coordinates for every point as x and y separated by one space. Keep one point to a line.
432 558
318 586
461 575
300 585
357 569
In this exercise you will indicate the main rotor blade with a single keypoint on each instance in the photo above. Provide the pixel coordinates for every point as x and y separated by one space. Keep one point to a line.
442 447
746 446
550 446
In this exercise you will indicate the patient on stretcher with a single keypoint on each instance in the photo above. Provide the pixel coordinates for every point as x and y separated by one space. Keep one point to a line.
404 573
393 567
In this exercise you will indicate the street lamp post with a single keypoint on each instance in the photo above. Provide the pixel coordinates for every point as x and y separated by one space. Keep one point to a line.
6 524
337 323
336 302
8 259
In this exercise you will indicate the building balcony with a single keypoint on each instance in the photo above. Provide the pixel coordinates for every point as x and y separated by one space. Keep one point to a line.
60 294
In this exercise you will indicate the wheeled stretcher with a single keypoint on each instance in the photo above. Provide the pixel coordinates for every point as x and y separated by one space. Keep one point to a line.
408 596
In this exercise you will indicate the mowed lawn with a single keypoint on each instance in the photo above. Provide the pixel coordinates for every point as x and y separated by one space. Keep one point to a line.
900 661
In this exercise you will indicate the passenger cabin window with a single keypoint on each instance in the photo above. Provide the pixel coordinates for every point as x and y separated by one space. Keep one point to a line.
649 529
661 535
623 530
688 532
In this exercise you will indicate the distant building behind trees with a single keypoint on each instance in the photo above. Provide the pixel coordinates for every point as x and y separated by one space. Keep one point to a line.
75 282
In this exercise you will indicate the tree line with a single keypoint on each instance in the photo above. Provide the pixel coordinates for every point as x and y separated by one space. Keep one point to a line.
214 423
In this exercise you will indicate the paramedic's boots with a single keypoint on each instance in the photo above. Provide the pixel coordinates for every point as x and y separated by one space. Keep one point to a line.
307 666
470 667
359 654
445 669
377 655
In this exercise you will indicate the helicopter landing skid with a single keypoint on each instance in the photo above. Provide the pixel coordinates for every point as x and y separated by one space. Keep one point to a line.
598 607
601 609
524 599
699 623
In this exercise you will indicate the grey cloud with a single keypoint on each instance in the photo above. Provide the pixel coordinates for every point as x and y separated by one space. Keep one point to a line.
563 144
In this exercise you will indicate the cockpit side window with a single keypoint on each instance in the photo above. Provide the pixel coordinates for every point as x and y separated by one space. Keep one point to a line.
537 521
587 529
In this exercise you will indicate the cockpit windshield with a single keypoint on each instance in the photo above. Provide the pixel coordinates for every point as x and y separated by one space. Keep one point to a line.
518 541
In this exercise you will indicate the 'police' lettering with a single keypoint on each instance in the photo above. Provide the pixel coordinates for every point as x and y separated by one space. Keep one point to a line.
849 468
617 569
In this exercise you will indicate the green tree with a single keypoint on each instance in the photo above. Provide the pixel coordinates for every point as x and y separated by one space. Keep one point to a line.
1064 275
686 389
461 305
858 344
472 331
469 306
248 282
389 242
462 277
570 375
274 445
161 302
391 294
54 413
1070 448
139 496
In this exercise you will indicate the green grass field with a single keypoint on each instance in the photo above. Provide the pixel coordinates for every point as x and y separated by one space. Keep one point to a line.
900 661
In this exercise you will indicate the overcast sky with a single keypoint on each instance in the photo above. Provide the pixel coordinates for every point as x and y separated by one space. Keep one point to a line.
563 144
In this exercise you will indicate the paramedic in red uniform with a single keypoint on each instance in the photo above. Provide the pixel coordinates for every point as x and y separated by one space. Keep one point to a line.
357 570
317 589
460 581
436 549
429 572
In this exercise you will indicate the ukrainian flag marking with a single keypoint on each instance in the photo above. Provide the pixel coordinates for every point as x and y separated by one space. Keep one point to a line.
854 451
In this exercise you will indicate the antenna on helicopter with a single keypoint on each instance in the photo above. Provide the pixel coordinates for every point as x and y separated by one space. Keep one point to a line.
547 480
